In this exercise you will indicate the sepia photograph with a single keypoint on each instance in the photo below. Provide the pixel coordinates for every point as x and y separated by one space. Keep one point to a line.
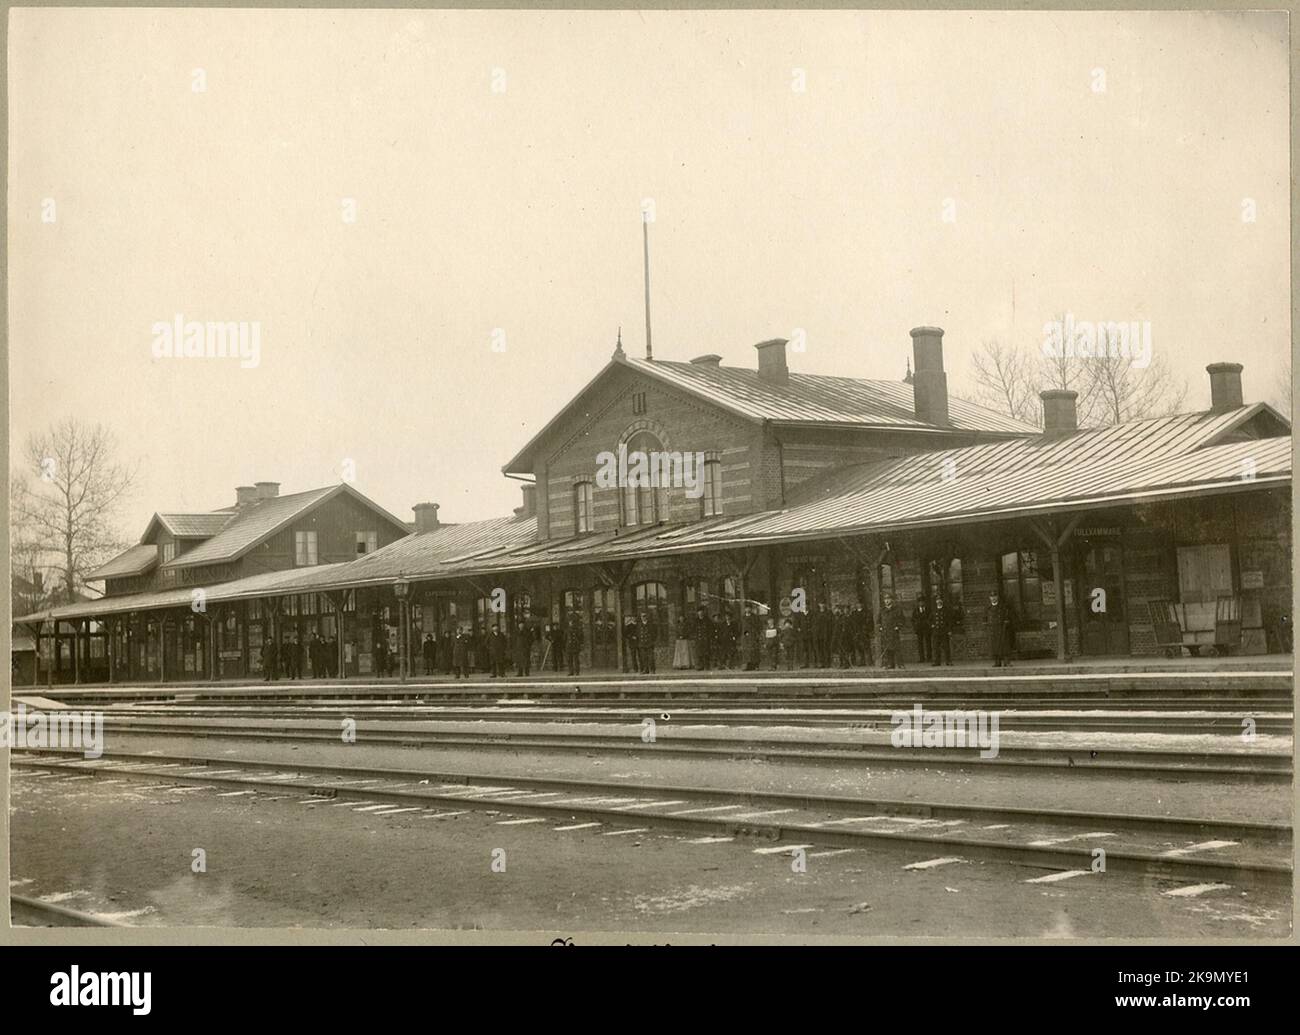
564 476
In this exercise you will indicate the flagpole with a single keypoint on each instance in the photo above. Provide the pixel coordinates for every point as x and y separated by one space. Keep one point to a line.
645 239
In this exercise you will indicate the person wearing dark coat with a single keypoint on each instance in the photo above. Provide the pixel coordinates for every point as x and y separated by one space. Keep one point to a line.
842 637
430 651
704 637
999 626
823 629
803 638
331 650
496 649
270 663
921 627
645 635
555 637
631 645
460 653
573 644
446 645
523 648
861 623
291 650
752 640
891 632
381 655
727 636
940 632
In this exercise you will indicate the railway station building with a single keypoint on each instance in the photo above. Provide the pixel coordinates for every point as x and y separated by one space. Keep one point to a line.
774 488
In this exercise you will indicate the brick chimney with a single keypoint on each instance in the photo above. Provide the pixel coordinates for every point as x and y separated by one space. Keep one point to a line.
245 494
529 506
771 361
1060 414
426 517
268 490
1225 386
929 382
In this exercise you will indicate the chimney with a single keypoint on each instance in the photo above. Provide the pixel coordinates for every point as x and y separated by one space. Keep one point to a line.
711 359
529 507
426 517
244 495
929 382
1060 416
268 490
1225 386
771 361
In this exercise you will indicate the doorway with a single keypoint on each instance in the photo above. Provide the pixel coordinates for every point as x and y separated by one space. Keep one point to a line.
1102 616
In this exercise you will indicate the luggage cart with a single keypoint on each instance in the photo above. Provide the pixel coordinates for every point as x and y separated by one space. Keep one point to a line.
1166 620
1227 625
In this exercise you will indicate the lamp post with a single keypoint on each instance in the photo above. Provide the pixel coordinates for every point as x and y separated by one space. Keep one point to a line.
402 589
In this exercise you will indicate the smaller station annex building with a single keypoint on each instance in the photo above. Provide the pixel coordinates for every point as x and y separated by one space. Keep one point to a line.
846 489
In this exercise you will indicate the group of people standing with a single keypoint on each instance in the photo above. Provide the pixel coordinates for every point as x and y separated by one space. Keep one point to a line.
287 658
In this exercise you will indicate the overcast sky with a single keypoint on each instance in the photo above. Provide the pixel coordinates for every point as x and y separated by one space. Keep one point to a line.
1097 163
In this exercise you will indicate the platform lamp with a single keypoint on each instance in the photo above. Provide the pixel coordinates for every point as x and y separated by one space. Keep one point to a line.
402 590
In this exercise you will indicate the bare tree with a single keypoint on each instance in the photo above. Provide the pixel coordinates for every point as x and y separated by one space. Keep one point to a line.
1004 381
1122 391
65 500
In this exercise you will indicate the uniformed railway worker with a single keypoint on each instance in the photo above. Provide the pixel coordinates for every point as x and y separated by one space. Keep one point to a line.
430 652
891 631
573 643
496 649
645 638
460 653
921 627
940 632
999 628
523 648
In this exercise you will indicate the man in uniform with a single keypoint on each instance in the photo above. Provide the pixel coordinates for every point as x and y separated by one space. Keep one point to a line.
523 647
727 633
270 663
941 638
891 631
860 621
704 638
573 643
999 625
645 635
430 650
496 648
460 653
631 645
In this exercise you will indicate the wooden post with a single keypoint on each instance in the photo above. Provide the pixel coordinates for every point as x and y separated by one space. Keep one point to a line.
213 663
1056 538
109 648
76 651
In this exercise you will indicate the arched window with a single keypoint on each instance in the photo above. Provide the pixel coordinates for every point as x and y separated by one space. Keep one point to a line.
641 492
583 496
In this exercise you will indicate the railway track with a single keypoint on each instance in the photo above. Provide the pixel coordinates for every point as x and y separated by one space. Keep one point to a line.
1253 765
34 912
1173 848
1225 723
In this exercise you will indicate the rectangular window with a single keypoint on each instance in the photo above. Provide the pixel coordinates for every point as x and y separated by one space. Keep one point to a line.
582 508
638 402
304 546
711 501
1021 584
367 542
169 552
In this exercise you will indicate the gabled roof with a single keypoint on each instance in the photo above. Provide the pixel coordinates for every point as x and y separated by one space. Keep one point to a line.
187 526
256 522
804 399
134 561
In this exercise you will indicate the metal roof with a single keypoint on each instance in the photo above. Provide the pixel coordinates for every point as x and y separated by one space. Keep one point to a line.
266 584
803 399
820 399
134 561
1145 461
